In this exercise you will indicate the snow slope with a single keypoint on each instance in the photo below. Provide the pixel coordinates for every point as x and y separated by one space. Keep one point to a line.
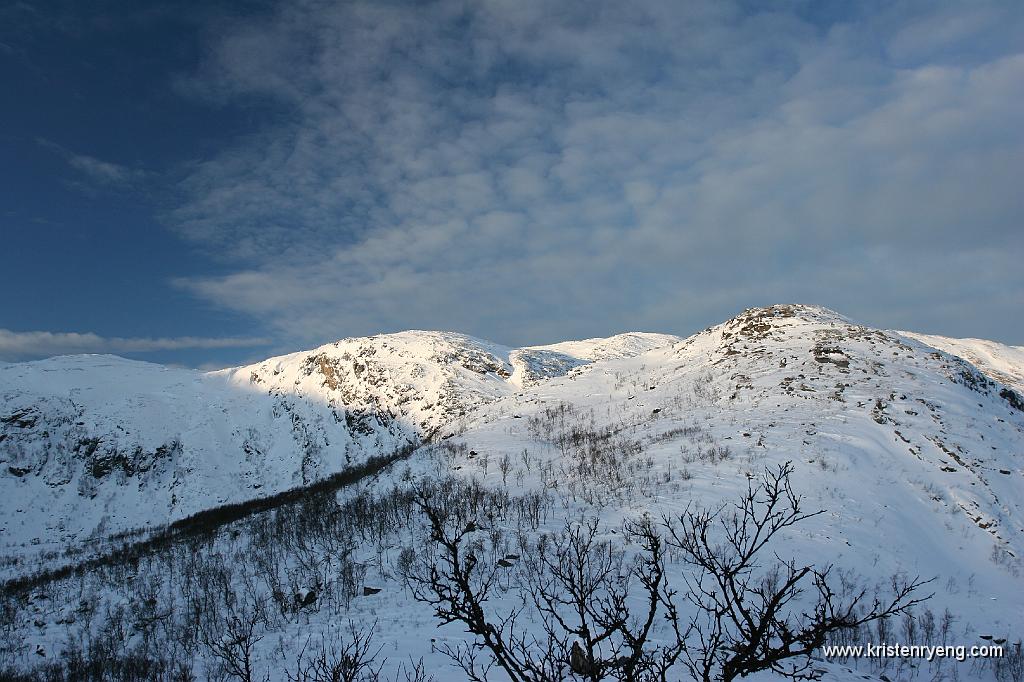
94 445
1001 362
915 454
900 423
534 364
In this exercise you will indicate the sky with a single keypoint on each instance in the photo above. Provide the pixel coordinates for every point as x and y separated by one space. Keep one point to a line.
207 184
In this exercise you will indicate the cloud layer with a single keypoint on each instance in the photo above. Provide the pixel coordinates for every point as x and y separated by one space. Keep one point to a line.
18 346
528 172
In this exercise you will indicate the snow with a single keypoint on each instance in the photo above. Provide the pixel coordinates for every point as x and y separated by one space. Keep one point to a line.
1000 361
915 455
171 442
535 364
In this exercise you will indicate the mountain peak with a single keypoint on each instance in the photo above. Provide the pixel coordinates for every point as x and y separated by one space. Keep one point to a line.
790 311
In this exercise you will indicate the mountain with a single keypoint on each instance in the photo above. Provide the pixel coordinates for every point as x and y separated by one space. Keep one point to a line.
884 411
999 361
537 363
915 454
96 445
911 446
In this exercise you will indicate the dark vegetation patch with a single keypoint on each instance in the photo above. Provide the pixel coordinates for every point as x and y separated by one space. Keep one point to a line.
208 521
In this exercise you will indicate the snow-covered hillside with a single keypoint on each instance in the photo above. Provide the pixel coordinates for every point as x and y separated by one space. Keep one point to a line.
94 445
1001 362
905 444
534 364
915 454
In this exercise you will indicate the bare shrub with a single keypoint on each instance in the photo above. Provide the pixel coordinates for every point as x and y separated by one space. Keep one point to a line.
353 659
745 617
750 617
577 584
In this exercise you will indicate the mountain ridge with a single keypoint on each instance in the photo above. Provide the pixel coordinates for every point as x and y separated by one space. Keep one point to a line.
115 445
911 453
119 444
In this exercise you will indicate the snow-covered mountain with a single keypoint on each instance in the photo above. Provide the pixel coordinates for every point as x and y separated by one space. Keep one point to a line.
100 444
915 453
1001 362
94 445
896 419
912 445
534 364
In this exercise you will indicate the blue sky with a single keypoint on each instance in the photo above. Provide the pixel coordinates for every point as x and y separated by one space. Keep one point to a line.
210 186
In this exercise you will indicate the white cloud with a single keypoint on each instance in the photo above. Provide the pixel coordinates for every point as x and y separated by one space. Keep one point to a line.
103 172
17 346
96 171
528 174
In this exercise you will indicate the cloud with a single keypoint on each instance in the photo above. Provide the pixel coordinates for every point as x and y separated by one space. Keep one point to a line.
103 172
18 346
527 173
96 171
